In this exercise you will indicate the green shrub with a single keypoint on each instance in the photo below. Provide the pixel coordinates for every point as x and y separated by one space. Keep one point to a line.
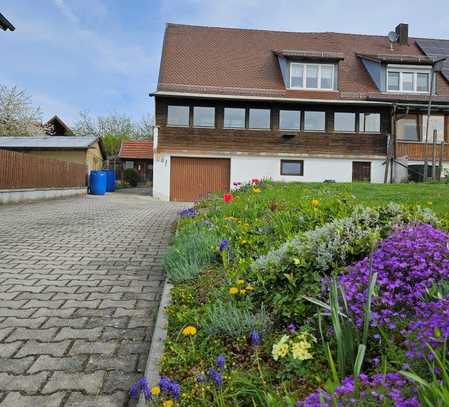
296 269
190 253
131 177
230 320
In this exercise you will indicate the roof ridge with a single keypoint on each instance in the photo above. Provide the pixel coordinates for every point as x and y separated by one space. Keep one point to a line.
295 32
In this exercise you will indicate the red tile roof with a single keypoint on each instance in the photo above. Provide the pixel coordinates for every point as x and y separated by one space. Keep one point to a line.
138 149
229 61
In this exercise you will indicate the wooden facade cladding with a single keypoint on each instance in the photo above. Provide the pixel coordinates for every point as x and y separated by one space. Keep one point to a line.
415 151
272 141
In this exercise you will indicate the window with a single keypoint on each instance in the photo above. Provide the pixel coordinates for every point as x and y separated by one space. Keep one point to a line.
259 118
407 128
289 119
312 76
315 121
344 121
203 116
369 122
436 123
403 79
292 167
234 118
129 164
178 116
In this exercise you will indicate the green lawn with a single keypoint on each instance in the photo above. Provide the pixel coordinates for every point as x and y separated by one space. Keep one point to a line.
435 196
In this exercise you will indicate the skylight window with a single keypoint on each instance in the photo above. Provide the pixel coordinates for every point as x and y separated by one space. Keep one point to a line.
312 76
408 80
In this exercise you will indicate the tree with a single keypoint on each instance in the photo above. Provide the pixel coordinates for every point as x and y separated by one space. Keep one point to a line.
18 117
114 129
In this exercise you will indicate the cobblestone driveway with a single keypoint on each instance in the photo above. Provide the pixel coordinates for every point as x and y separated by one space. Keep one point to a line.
80 281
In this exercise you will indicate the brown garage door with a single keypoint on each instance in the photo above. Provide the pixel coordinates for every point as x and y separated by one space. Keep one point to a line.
361 171
194 178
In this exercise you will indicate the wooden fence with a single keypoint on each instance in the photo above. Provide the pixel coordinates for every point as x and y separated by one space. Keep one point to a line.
19 170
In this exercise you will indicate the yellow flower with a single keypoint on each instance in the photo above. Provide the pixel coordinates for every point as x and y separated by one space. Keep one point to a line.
249 287
256 190
155 391
280 349
243 291
233 290
429 203
315 202
240 282
168 403
300 350
243 241
189 330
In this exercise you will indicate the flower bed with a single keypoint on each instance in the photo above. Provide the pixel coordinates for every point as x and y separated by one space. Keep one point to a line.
300 296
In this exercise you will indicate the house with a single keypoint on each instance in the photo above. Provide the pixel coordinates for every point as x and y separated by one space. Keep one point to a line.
236 104
83 150
58 127
5 24
137 154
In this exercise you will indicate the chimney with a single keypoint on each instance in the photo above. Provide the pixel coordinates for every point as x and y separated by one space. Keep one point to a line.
402 32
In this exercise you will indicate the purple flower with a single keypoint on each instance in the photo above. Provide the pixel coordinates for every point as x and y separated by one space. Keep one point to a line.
200 378
188 213
215 376
175 390
291 328
141 386
254 338
223 244
220 361
165 384
134 391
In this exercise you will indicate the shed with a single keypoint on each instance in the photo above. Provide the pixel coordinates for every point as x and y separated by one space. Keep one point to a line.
138 154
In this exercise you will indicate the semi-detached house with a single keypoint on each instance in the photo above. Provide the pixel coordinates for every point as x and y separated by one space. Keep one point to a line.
237 104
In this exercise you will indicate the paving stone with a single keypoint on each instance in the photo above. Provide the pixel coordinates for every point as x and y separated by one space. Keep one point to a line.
43 335
130 304
117 333
82 347
43 348
67 364
22 322
60 313
90 383
107 321
8 349
28 383
16 366
74 333
81 304
71 322
15 399
4 332
125 363
116 399
116 380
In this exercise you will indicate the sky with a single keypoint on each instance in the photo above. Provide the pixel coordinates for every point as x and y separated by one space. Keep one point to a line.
102 56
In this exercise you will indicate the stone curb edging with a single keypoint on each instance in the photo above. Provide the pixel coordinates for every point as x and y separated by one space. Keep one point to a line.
157 342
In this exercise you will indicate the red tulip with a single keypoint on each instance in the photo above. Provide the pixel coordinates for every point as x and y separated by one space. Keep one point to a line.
228 197
255 181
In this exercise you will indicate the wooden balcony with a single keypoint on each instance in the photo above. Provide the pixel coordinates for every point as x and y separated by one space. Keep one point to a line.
415 151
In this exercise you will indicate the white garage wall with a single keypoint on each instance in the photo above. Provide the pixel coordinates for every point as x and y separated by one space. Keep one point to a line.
244 168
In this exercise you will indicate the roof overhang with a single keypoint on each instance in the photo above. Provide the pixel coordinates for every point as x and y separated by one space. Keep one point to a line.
307 55
269 98
398 59
5 24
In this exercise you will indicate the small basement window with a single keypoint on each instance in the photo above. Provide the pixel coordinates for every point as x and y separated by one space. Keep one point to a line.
292 167
178 116
203 116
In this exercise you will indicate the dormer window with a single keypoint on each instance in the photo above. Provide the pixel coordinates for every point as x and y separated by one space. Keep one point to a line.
312 76
408 79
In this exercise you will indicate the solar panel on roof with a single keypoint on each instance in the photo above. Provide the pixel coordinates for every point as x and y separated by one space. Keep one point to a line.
436 48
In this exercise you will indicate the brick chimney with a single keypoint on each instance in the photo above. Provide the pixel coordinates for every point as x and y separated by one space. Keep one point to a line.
402 32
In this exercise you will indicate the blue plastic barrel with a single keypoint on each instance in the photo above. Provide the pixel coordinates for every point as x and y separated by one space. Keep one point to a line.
110 184
98 182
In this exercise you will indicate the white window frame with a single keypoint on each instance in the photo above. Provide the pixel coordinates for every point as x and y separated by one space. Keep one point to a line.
304 76
415 70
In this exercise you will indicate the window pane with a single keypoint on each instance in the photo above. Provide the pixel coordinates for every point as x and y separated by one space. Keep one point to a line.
290 167
234 118
422 82
314 121
344 121
297 75
406 129
259 118
289 119
393 80
312 76
407 82
436 123
178 116
327 77
203 116
370 122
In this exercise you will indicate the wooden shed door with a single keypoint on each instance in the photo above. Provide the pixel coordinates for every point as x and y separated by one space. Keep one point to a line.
361 171
194 178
